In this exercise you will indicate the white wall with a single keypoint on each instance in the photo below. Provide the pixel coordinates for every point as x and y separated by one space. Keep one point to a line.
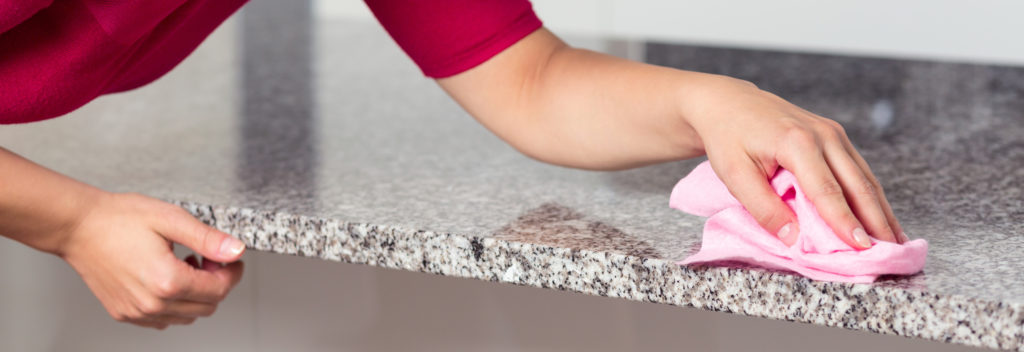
980 31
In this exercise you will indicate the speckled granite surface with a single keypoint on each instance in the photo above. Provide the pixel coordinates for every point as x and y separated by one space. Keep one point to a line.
327 142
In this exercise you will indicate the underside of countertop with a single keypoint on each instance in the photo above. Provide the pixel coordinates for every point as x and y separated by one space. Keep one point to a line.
325 141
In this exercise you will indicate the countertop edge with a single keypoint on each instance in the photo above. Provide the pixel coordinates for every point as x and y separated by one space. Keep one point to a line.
887 310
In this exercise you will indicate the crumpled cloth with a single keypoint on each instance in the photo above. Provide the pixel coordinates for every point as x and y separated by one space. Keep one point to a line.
732 234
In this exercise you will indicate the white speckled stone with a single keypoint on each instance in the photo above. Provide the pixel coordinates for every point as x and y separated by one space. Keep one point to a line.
756 292
326 142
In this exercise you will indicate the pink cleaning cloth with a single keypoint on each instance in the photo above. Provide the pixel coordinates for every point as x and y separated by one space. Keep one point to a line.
732 234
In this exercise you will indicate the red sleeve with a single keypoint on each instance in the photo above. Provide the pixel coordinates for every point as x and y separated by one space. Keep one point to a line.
59 57
447 37
13 12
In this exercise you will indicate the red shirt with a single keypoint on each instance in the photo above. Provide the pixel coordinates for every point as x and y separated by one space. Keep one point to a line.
56 56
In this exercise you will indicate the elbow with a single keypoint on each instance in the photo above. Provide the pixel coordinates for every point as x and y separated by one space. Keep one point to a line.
550 148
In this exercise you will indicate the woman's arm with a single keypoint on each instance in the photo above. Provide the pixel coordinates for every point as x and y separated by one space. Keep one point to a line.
119 243
582 109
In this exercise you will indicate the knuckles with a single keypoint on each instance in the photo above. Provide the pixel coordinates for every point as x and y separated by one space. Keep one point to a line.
222 292
875 185
208 311
830 131
163 281
833 127
829 189
134 315
152 306
869 189
800 138
805 134
167 289
167 286
744 83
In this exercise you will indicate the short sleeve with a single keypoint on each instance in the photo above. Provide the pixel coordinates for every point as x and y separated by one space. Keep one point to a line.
447 37
13 12
64 55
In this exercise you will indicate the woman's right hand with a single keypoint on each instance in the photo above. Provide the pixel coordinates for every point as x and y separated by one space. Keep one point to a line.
749 133
122 248
588 110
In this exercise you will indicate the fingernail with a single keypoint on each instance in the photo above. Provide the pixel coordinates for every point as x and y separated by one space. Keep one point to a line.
861 237
903 237
231 247
785 233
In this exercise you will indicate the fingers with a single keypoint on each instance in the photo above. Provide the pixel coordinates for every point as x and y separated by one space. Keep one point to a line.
208 282
883 201
199 288
149 324
174 320
805 159
860 191
211 283
893 223
188 309
129 264
749 184
180 227
162 322
193 308
209 265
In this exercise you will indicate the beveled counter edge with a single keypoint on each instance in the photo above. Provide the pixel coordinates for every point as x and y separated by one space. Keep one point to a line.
751 292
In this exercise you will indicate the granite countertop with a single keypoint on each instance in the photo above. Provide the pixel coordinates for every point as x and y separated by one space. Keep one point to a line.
325 141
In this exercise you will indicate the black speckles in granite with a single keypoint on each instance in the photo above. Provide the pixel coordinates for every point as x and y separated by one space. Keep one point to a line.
888 309
391 172
558 226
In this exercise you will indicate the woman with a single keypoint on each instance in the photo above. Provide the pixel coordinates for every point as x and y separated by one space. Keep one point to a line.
552 102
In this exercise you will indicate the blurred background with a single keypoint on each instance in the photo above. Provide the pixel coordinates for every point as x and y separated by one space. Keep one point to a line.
936 30
292 303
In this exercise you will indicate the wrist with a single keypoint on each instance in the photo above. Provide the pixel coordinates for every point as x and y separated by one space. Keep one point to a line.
703 94
77 208
697 97
40 207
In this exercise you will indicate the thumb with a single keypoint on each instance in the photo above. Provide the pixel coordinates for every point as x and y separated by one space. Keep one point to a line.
181 227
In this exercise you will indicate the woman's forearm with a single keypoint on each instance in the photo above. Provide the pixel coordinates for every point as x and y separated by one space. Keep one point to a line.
588 110
38 205
579 108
